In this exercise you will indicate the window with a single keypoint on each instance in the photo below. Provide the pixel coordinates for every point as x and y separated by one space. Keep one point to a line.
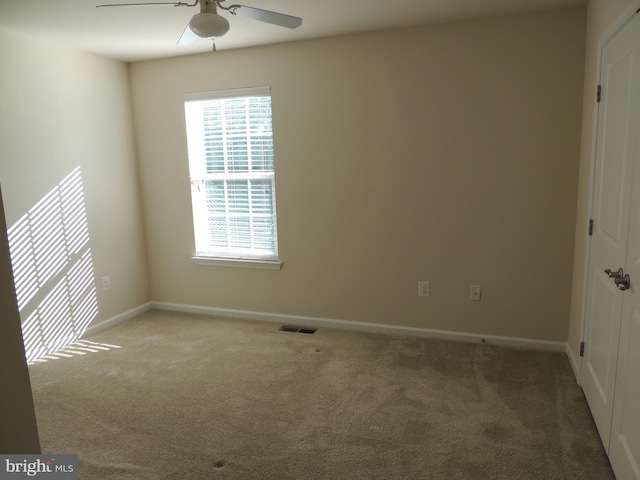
230 146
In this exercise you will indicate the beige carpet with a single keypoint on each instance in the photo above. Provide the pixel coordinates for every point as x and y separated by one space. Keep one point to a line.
192 397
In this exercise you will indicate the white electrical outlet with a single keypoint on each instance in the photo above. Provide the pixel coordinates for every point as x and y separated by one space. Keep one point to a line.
475 292
423 289
106 283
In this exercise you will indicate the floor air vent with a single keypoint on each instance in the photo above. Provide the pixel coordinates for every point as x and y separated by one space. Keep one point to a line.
289 328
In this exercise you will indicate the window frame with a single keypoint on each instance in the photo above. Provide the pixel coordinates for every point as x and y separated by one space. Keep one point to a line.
230 258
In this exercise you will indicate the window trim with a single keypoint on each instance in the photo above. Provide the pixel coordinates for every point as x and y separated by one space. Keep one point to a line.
228 93
237 262
240 260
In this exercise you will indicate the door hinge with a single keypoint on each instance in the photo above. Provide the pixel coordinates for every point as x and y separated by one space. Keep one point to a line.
591 227
582 349
598 93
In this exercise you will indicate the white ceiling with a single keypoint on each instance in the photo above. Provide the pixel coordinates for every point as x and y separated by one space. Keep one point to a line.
138 33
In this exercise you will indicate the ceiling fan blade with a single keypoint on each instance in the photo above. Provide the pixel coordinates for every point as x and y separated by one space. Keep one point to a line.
274 18
146 4
187 36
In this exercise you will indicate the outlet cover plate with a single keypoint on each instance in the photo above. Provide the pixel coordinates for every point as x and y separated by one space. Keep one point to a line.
475 293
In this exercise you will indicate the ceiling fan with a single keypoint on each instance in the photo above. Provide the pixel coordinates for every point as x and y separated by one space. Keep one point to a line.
210 25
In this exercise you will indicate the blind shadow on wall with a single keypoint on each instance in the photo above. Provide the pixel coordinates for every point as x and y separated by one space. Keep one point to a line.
53 269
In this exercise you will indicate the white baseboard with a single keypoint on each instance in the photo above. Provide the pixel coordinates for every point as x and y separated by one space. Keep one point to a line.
318 322
123 317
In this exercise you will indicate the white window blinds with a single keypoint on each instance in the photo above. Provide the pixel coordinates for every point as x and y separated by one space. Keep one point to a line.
230 145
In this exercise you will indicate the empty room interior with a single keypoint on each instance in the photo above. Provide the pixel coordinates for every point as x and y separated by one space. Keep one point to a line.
435 185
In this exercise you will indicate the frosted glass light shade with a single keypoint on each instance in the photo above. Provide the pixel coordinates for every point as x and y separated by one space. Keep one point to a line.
208 25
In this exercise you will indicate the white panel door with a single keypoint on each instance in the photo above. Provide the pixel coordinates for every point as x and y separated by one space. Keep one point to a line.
611 207
624 447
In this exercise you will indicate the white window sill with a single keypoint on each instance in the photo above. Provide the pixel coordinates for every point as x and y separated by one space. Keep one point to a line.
238 263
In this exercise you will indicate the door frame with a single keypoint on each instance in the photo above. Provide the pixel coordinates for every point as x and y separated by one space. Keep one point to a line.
609 33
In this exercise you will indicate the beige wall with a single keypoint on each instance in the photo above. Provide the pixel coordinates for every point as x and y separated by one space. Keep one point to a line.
601 16
18 431
447 153
61 109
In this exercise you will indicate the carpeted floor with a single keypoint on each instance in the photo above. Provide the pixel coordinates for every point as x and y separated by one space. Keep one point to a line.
191 397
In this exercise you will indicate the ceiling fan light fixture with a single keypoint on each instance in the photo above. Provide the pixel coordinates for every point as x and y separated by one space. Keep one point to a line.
209 25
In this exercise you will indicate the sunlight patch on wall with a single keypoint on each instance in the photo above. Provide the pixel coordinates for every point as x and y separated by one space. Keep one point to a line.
53 269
